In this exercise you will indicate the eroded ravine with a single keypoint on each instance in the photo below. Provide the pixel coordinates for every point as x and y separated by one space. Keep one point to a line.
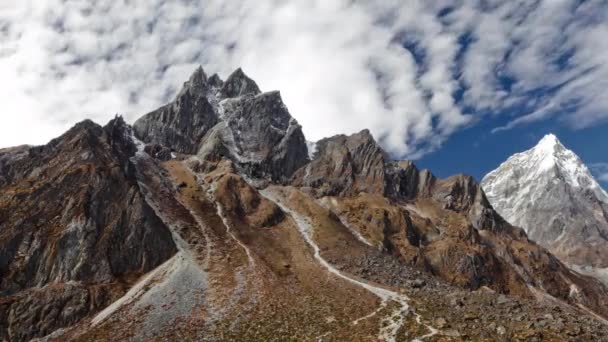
392 323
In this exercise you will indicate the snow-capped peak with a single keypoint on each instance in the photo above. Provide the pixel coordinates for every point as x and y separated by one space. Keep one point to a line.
548 143
550 192
549 160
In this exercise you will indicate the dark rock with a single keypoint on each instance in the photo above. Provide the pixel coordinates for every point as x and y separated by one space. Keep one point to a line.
159 152
464 195
231 119
181 124
405 181
418 283
345 165
266 141
238 84
81 219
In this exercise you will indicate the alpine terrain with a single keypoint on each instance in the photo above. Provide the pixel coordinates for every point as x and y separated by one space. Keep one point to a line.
550 193
209 219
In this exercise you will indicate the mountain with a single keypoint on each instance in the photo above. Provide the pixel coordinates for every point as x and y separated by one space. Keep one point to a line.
549 192
211 220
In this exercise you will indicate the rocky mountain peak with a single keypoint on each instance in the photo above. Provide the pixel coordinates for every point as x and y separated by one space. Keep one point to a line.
120 137
181 124
404 180
550 192
196 84
239 84
549 140
549 160
231 119
345 165
551 155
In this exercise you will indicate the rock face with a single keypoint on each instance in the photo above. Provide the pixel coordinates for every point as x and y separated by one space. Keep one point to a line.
74 229
210 221
549 192
237 85
405 181
262 137
231 119
181 124
344 165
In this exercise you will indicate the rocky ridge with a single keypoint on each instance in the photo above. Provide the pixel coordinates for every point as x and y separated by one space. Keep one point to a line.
231 119
75 230
253 239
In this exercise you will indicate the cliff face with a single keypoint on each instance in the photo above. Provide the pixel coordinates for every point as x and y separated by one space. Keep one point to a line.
209 221
344 165
231 119
181 124
75 230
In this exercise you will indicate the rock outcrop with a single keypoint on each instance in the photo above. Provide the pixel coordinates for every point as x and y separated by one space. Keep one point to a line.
237 85
231 119
344 165
181 124
74 230
264 140
405 181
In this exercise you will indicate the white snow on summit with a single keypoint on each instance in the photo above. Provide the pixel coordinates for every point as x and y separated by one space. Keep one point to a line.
550 193
312 148
548 158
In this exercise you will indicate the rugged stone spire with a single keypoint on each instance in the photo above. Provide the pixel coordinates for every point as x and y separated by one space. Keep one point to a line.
197 83
215 119
239 84
263 138
181 124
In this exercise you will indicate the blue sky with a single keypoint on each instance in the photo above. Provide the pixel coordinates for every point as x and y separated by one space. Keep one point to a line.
458 85
476 151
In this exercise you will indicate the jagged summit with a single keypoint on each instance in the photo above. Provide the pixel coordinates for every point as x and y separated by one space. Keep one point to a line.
551 157
233 119
549 191
197 83
239 84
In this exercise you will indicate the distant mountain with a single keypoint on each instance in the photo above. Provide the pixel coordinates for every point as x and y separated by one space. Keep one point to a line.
549 192
212 219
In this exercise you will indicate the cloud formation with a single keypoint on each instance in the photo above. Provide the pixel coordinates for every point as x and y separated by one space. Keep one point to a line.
600 171
413 72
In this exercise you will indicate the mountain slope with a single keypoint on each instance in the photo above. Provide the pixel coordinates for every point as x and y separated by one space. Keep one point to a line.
254 241
549 192
75 231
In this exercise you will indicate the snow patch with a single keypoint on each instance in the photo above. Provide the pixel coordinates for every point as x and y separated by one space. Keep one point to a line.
312 149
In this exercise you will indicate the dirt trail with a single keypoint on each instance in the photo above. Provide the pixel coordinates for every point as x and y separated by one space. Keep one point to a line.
391 324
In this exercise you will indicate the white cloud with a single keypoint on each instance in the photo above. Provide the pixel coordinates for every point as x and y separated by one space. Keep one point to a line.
340 65
600 171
